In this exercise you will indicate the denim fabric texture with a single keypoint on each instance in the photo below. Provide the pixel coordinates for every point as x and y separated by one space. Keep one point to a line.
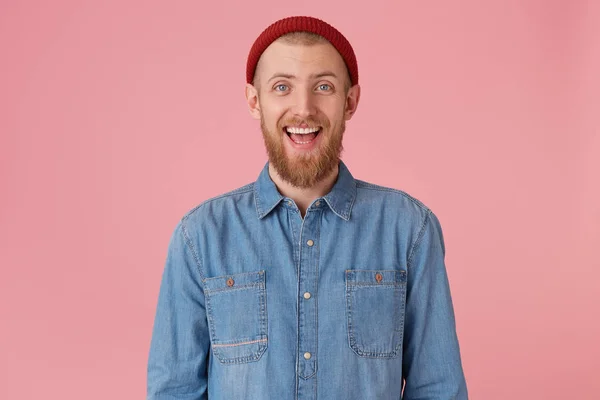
351 302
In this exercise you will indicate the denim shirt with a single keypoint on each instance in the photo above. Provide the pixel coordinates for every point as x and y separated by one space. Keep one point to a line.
351 302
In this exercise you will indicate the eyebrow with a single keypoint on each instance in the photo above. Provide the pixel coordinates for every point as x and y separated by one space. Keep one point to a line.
312 76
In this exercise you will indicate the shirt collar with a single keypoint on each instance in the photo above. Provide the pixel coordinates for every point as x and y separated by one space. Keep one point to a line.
340 199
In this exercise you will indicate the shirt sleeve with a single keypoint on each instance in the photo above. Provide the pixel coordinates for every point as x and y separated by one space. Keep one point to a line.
178 357
432 365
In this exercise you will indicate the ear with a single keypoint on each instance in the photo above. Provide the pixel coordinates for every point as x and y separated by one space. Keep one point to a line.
253 101
352 99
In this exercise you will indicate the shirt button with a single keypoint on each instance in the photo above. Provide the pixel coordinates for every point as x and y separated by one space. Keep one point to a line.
289 202
230 282
307 295
307 355
310 242
318 203
378 277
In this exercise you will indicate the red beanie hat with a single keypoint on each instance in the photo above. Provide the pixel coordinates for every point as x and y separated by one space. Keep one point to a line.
305 24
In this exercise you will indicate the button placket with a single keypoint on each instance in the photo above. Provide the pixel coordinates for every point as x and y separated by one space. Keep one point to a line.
308 265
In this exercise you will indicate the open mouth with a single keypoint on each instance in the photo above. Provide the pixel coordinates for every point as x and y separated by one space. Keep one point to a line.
302 135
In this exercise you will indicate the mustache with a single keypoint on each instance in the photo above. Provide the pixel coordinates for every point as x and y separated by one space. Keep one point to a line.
310 122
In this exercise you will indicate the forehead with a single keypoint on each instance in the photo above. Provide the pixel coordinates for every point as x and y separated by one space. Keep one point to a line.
300 59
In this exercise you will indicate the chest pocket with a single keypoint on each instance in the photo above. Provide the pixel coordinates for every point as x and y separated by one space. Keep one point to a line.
236 309
375 304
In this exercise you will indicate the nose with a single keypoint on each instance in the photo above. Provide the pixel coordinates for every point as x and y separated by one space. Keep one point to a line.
304 104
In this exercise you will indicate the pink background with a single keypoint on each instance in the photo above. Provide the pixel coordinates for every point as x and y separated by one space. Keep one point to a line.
118 117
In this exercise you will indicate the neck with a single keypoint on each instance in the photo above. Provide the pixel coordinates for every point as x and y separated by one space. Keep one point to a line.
303 197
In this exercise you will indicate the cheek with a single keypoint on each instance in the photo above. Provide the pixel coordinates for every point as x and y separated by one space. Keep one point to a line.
334 116
272 113
333 108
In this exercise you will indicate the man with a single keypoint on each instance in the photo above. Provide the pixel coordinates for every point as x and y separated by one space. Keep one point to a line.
308 283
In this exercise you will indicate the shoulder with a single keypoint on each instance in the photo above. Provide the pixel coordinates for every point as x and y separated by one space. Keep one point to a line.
395 205
220 204
388 196
400 206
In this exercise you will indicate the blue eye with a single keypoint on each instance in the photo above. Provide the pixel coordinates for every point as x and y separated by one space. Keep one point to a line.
281 88
324 86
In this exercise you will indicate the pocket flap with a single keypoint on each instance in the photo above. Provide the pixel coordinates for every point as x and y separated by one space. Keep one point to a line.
235 281
375 277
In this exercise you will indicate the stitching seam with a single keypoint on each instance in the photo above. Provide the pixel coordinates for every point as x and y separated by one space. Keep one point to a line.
418 241
189 243
239 344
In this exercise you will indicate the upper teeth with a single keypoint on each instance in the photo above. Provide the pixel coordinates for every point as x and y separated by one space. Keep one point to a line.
302 131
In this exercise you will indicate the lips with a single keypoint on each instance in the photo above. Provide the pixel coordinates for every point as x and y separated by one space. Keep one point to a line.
302 135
